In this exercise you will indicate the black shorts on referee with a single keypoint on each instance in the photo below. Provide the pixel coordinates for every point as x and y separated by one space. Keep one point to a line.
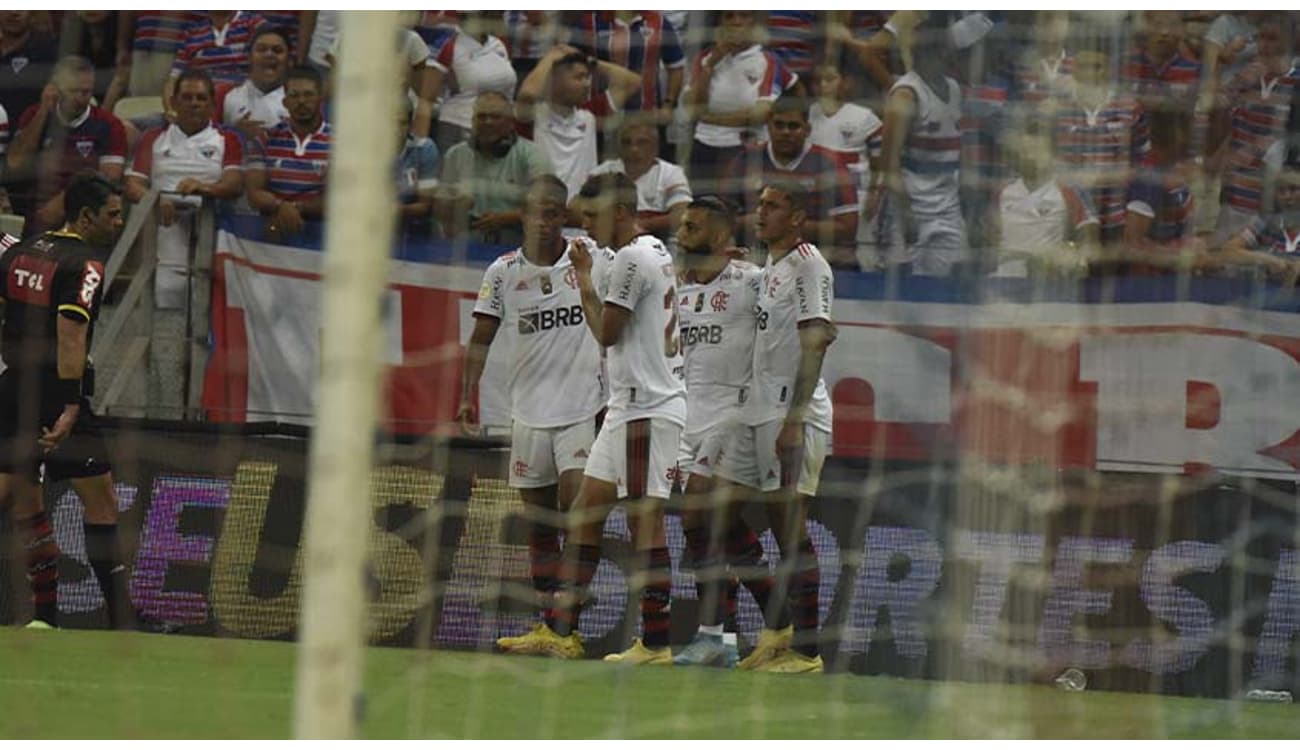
25 409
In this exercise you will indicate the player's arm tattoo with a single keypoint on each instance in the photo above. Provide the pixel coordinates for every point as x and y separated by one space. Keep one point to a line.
814 337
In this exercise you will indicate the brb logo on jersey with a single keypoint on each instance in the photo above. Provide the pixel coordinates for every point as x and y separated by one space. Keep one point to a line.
544 320
692 335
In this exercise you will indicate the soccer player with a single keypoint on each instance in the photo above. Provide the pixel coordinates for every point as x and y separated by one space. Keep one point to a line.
717 297
556 386
788 418
634 456
51 287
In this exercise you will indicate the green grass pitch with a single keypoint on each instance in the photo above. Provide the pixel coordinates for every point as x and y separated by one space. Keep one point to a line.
88 684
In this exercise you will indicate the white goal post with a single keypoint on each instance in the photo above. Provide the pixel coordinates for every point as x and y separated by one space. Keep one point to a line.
359 230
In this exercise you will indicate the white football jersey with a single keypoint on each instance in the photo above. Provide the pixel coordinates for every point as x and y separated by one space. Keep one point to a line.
717 322
797 288
556 374
645 364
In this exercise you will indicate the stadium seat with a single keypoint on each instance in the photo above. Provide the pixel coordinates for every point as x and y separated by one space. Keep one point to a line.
138 107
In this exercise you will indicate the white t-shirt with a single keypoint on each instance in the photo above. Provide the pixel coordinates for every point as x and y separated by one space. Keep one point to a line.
555 377
472 68
1034 222
645 364
739 82
166 156
569 141
323 36
717 321
931 157
853 134
797 288
662 186
247 99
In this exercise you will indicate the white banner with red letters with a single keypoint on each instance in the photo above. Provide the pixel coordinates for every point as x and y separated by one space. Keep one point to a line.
1133 385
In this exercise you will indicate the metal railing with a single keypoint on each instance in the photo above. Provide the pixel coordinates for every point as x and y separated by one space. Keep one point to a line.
138 382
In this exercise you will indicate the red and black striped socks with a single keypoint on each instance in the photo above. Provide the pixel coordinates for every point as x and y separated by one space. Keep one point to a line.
656 600
42 566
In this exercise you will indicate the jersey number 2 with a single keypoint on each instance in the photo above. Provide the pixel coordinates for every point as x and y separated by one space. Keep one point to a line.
672 339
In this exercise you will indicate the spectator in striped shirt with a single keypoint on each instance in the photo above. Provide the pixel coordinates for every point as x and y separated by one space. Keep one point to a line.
1271 241
921 160
794 36
1160 215
154 37
217 43
1259 102
638 40
728 96
1102 136
285 174
789 155
1158 73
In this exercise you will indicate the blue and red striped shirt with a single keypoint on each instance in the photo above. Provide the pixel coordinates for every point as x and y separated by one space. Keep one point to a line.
295 167
1166 198
1262 104
794 36
221 53
638 46
1175 81
1100 149
161 30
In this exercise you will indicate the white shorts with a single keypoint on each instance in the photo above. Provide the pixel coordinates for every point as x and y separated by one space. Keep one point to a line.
539 455
750 459
639 457
700 451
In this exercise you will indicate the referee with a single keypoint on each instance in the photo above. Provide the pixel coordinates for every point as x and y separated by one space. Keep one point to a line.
51 287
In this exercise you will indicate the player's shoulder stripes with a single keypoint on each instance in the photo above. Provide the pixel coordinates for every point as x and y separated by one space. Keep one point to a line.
806 250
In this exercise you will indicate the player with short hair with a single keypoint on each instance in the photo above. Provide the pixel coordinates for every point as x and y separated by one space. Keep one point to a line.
51 287
557 389
634 456
717 297
788 429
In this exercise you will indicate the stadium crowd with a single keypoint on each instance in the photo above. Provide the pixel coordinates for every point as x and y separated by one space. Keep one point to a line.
932 143
926 143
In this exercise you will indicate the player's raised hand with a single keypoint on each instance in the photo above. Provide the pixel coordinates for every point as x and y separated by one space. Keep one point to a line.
580 255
